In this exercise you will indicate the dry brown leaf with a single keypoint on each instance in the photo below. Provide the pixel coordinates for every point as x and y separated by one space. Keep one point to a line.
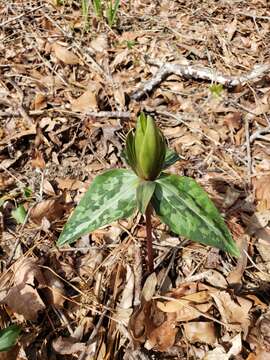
84 103
258 221
162 338
128 292
259 355
220 353
69 184
12 354
187 307
262 192
149 287
5 182
23 298
67 346
51 209
216 279
40 101
65 55
234 313
235 276
192 312
230 29
233 121
54 292
38 161
100 43
48 188
200 332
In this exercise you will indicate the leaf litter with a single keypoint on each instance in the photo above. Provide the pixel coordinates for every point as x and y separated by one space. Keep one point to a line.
65 96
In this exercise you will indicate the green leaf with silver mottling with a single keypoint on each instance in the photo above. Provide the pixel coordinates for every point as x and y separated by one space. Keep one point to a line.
8 337
186 208
170 158
144 194
111 196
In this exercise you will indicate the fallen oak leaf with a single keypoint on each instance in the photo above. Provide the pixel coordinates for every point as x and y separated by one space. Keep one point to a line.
23 298
65 55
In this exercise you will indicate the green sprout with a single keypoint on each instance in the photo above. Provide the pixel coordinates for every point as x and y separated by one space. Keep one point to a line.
216 90
85 13
178 201
97 5
111 12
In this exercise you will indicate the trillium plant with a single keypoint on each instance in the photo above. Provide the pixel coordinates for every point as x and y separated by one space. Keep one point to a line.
178 201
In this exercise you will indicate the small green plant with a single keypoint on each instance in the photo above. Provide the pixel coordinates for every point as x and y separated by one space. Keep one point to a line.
178 201
85 13
97 5
8 337
216 90
130 44
19 214
111 12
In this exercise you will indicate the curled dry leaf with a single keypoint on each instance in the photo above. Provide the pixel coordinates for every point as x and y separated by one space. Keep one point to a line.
68 346
220 353
38 161
54 292
149 287
50 209
235 313
40 101
65 55
23 298
200 332
185 310
127 294
5 182
235 276
162 337
187 301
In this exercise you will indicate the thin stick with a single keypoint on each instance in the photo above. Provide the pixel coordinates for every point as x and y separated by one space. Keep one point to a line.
149 238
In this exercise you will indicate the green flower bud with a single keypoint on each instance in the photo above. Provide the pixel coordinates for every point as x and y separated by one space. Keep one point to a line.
146 149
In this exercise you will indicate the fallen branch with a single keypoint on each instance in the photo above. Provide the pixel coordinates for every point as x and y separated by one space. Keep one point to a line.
197 73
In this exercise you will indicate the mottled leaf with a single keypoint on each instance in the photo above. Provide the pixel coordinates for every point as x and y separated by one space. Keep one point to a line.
186 208
111 196
8 337
144 194
170 158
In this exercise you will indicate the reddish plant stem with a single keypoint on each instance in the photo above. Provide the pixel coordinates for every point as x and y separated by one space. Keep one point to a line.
149 238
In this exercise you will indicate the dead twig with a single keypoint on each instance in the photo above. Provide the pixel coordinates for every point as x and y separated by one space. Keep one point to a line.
197 73
249 158
259 134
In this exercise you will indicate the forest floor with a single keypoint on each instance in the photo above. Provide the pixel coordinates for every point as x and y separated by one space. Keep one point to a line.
68 96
